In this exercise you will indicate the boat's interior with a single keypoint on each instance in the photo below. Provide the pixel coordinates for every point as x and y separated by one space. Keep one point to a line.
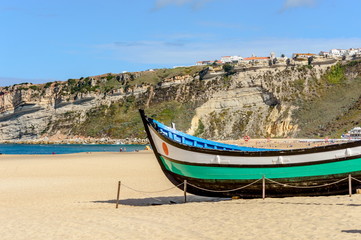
190 140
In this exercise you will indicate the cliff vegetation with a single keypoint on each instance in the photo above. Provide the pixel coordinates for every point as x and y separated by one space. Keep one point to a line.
293 101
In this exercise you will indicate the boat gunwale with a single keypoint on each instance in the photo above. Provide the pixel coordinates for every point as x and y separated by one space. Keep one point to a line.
287 152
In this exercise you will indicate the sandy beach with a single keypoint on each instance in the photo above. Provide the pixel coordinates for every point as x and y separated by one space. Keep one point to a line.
73 197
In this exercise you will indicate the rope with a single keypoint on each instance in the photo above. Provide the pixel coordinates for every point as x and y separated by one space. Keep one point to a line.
153 191
219 191
356 179
239 188
324 185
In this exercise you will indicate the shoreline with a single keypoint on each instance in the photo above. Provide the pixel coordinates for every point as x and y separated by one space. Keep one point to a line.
74 154
146 141
56 143
79 141
270 143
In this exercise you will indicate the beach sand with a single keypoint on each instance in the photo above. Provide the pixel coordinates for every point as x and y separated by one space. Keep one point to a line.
73 197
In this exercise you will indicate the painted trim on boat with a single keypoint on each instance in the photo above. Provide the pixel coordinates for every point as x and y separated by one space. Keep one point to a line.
277 165
199 157
220 173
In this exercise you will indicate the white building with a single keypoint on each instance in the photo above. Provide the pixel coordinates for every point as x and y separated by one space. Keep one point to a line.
231 59
302 55
344 52
338 52
324 54
335 53
256 60
353 51
272 55
201 63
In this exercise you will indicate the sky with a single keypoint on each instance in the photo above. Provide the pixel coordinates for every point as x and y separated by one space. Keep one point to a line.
44 40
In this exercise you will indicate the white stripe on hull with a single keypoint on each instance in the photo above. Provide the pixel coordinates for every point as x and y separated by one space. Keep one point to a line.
204 158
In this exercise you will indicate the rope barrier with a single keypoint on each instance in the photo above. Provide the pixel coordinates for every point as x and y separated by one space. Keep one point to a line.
146 193
153 191
219 191
324 185
239 188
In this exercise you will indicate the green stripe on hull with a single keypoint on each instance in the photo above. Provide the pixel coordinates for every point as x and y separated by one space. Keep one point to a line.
205 172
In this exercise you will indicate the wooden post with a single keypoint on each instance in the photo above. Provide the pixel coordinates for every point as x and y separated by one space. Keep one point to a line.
185 190
263 187
119 183
349 185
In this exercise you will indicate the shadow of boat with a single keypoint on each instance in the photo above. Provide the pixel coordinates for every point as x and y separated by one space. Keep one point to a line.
155 201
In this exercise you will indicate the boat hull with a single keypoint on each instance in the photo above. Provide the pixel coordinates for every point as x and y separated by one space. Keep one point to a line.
298 186
308 172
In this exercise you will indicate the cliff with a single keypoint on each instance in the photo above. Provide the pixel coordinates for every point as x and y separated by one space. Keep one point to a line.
278 101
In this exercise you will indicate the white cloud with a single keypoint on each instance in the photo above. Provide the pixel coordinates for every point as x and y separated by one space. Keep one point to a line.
167 53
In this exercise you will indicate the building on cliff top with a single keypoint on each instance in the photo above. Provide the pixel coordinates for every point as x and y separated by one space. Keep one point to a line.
202 63
231 59
303 55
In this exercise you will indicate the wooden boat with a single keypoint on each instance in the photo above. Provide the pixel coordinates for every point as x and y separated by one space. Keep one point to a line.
222 170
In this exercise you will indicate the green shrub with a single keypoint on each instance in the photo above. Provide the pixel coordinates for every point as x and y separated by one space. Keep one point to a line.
121 120
71 81
299 84
109 77
34 87
229 69
200 129
336 74
48 84
22 88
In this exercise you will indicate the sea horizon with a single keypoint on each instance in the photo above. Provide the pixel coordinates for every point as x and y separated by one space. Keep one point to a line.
33 149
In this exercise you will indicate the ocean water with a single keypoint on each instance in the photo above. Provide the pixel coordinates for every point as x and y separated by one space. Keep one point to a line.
66 148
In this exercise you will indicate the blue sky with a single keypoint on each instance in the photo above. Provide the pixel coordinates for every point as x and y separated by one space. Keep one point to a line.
46 40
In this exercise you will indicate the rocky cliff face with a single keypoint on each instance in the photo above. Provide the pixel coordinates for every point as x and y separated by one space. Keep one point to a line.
255 102
26 113
30 111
